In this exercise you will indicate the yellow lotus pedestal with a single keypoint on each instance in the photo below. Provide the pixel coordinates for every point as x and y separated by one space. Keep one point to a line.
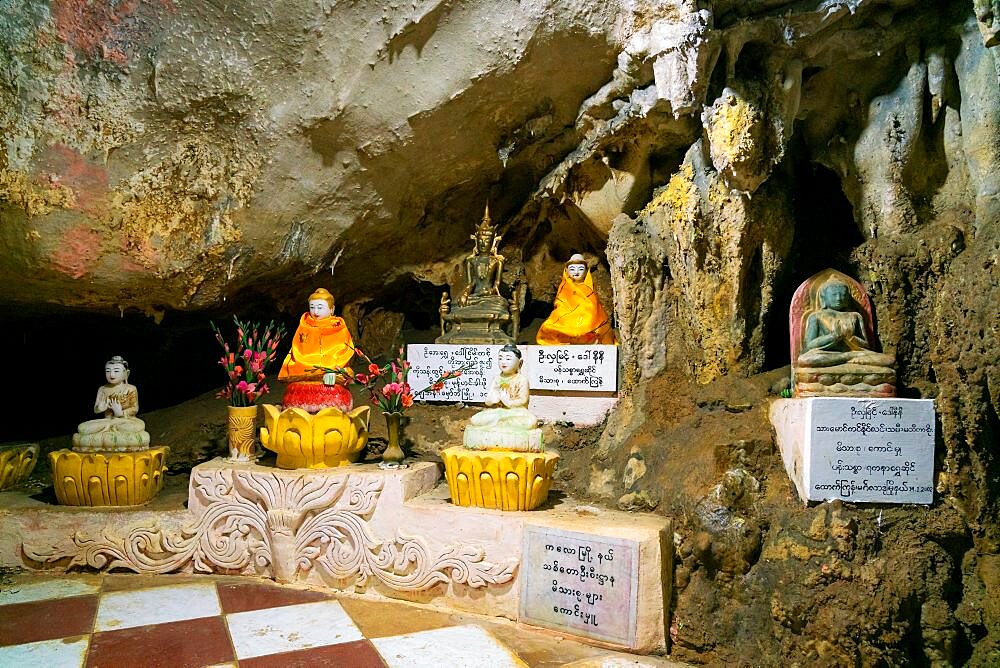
498 479
16 464
108 479
328 439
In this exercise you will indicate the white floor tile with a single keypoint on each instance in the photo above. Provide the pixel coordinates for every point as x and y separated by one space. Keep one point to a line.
158 605
452 646
46 590
290 627
56 653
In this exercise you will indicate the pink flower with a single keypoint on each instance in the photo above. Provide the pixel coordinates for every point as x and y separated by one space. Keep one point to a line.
242 386
361 378
405 388
391 390
456 374
406 365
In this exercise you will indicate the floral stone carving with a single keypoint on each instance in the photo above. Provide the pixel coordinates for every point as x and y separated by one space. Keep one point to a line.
282 525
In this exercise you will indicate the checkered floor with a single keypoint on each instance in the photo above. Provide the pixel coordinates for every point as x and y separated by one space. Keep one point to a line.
133 621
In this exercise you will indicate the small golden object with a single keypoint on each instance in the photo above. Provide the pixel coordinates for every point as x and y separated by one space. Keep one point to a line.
498 479
16 463
327 439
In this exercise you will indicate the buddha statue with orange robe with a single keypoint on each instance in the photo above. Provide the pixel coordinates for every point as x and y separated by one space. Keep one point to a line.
578 317
321 340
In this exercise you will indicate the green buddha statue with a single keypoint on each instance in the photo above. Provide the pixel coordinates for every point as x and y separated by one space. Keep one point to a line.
482 315
835 356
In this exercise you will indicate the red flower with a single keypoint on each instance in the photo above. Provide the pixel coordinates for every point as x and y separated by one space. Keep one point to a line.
361 378
407 400
437 387
456 374
374 370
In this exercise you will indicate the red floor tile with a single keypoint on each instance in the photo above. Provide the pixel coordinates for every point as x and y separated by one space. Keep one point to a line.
191 643
240 597
357 654
47 620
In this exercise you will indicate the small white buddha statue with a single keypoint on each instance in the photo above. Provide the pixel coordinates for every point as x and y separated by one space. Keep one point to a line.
119 430
510 426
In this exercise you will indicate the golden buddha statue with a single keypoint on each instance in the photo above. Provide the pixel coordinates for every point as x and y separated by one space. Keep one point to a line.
321 339
832 341
578 317
482 312
119 430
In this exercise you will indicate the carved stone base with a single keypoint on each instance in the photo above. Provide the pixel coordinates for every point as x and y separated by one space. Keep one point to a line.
107 479
477 332
498 479
379 534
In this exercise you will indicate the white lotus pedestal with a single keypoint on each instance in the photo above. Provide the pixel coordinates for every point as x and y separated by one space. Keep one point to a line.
584 571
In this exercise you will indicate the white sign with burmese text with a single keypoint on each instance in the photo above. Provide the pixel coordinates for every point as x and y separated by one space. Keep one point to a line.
559 368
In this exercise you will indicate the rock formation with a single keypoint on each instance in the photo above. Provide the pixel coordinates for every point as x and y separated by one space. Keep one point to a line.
165 157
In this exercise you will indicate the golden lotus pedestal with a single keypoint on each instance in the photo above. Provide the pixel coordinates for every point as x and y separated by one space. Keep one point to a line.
498 479
16 464
108 478
327 439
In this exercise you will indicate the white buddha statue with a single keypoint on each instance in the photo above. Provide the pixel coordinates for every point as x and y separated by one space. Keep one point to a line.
510 426
119 430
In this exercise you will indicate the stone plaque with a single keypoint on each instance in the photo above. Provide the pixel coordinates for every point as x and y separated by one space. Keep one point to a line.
581 368
580 583
428 361
871 450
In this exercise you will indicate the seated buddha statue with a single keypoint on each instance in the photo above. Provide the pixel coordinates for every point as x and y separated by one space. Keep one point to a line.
578 317
119 430
482 312
321 340
834 356
510 426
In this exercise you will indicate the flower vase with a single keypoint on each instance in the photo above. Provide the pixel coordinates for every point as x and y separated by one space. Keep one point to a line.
393 456
241 428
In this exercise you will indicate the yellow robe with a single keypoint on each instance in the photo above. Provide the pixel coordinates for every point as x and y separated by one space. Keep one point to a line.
325 342
578 317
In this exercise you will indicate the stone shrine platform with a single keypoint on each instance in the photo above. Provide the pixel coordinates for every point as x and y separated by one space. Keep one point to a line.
594 573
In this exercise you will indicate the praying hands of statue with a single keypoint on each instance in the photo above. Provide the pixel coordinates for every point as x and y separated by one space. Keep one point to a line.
116 407
510 395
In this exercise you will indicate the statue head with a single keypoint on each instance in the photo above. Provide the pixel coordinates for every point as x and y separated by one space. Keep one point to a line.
835 294
116 370
576 267
509 359
321 304
486 234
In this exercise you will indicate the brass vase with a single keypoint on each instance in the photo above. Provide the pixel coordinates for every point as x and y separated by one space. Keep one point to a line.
242 428
393 456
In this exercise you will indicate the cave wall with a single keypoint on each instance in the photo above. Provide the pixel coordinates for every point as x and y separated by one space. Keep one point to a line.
167 156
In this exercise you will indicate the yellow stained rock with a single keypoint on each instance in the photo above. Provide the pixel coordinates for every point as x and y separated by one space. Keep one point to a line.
16 464
108 479
498 479
328 439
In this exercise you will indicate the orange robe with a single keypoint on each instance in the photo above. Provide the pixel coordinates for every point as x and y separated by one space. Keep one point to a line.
325 342
578 317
